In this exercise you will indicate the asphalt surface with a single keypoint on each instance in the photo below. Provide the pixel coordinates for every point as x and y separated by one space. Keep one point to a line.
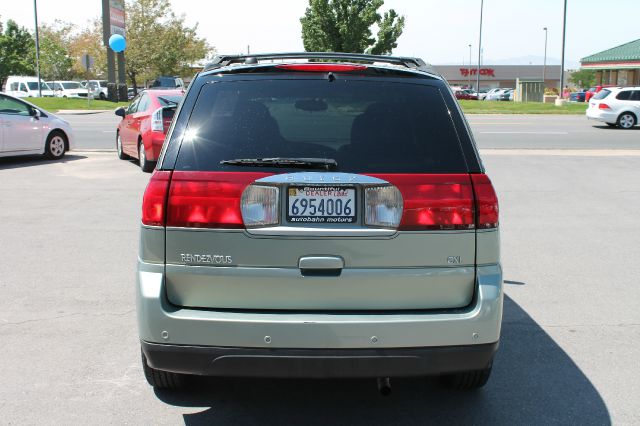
499 131
570 339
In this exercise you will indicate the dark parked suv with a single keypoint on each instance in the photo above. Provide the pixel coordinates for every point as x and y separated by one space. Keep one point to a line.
319 215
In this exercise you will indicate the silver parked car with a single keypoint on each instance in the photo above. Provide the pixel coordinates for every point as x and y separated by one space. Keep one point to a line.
26 129
319 219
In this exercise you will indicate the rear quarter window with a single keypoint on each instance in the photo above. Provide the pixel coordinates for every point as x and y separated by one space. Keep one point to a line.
624 95
366 126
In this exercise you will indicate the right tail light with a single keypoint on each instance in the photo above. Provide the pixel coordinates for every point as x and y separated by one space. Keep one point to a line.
157 124
486 202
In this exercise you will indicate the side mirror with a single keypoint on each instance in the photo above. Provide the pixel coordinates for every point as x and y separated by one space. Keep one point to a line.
120 112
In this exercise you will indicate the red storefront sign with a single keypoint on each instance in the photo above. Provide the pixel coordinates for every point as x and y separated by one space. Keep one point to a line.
488 72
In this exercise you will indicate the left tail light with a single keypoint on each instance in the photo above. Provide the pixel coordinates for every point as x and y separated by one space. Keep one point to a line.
154 201
211 199
157 124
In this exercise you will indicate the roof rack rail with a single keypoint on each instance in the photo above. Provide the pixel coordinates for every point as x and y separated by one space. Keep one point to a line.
220 61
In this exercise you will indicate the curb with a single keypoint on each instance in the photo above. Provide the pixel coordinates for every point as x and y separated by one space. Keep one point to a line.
81 111
92 151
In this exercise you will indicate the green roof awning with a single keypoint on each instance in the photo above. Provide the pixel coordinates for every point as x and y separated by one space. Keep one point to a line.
625 52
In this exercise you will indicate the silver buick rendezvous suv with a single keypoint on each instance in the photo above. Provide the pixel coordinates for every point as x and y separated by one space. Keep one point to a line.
319 215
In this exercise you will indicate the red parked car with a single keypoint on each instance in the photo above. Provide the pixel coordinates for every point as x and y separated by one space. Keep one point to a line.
144 124
466 94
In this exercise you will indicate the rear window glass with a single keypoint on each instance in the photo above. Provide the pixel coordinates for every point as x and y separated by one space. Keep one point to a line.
366 126
169 100
601 94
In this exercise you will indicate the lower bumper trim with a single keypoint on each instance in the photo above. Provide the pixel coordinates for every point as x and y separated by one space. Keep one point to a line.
317 363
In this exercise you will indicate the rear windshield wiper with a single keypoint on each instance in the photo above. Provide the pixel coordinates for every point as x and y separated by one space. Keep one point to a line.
319 163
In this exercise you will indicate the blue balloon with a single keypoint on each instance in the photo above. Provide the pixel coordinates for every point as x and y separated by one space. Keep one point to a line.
117 43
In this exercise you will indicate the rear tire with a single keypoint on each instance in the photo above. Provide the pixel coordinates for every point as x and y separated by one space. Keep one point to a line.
146 165
56 145
162 379
627 120
121 154
467 380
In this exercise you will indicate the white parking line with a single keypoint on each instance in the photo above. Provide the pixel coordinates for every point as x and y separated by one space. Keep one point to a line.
565 152
525 133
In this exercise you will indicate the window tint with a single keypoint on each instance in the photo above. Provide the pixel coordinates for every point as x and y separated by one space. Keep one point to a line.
601 94
23 88
13 107
624 95
366 126
143 104
71 85
635 96
14 86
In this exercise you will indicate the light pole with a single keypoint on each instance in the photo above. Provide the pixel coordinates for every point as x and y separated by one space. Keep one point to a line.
470 68
544 65
479 48
35 14
564 30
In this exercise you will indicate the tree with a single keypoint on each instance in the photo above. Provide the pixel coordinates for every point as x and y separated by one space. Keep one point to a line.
345 26
159 42
56 62
583 78
17 52
89 41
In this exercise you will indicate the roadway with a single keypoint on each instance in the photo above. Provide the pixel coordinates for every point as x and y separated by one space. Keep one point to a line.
495 131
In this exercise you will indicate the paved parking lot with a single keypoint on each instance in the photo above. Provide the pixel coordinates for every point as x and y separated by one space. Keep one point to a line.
571 332
499 131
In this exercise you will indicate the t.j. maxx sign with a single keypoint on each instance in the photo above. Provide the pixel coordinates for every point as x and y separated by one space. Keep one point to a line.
488 72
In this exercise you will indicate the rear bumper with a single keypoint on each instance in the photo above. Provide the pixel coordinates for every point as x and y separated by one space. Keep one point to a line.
600 115
317 363
161 322
153 142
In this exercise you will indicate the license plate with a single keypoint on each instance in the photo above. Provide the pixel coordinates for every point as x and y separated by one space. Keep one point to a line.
321 204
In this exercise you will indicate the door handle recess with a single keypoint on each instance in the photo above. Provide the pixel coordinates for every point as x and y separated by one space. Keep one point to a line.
321 266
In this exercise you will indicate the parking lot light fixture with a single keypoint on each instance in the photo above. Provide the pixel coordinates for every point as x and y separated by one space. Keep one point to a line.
479 48
470 68
544 64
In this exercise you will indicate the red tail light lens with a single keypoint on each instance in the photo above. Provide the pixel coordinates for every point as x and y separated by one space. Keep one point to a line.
434 201
207 199
155 199
603 106
486 202
313 67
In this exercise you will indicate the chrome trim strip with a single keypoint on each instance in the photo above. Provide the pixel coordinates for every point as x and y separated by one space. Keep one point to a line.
296 231
306 178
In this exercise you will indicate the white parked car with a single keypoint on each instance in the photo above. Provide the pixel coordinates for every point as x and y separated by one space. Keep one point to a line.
494 94
28 130
97 89
616 106
23 86
67 89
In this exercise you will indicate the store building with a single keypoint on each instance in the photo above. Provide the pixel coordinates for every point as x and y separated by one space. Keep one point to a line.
492 76
619 65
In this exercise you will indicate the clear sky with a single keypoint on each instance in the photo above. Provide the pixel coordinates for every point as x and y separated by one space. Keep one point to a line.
438 31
